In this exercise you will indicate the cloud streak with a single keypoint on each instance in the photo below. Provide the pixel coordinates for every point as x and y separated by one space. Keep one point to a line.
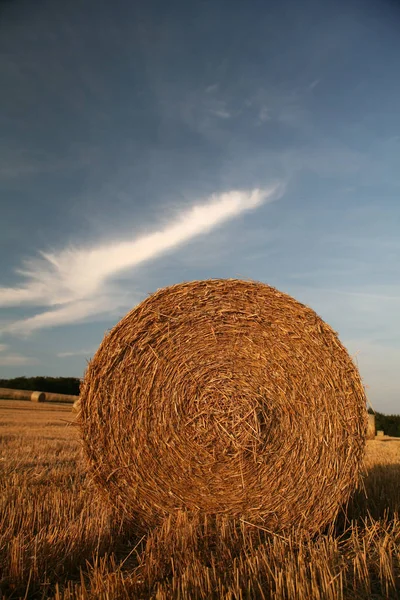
72 312
16 360
76 353
77 282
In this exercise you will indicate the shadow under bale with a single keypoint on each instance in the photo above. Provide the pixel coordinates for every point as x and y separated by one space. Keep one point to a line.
379 495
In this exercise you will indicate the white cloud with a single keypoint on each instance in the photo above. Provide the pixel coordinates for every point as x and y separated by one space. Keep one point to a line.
76 280
73 312
3 347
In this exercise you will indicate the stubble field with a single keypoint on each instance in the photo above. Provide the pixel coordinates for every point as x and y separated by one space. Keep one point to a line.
57 540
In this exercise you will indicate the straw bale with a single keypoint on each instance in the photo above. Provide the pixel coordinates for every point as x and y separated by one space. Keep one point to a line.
15 394
63 398
371 431
224 397
28 395
38 397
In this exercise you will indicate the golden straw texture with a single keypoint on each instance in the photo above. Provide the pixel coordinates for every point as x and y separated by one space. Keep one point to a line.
225 397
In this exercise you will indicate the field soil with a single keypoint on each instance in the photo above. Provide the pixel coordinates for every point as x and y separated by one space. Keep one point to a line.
59 540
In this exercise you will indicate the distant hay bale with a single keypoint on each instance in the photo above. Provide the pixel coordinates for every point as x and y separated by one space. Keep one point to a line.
224 397
371 431
42 396
15 394
61 398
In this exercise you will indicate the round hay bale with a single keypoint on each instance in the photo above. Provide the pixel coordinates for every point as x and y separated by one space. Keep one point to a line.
225 397
371 431
76 407
61 398
15 394
38 397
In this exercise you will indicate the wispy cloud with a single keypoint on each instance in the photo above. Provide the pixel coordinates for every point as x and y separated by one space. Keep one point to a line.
264 114
314 84
16 360
212 88
361 294
222 113
204 111
76 281
77 353
15 163
359 311
13 359
72 312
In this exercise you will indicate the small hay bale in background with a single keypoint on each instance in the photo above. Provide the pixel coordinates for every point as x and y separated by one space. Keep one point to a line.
61 398
15 394
38 397
371 431
224 397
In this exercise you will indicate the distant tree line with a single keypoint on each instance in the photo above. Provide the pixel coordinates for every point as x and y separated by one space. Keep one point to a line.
56 385
390 424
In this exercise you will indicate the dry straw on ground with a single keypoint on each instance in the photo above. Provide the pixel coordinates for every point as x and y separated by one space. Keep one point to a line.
225 397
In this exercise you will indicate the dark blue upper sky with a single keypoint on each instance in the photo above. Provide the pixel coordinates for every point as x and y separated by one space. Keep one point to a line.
134 138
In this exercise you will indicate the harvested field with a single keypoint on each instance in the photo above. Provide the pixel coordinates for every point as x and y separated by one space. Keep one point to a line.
57 541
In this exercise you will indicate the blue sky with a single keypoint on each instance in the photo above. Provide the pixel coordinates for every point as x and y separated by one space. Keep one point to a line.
144 144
